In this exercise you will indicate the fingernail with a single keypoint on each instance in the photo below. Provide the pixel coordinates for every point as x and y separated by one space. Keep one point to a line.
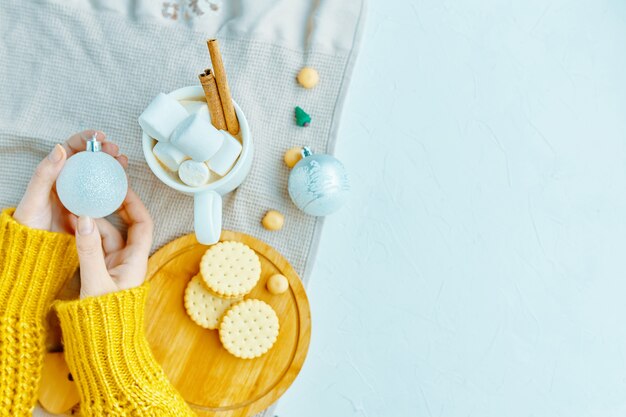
56 154
85 225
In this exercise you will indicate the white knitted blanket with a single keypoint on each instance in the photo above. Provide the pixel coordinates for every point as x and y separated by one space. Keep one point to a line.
98 63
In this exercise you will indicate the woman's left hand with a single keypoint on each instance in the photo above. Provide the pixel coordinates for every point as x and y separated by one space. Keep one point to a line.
40 207
108 262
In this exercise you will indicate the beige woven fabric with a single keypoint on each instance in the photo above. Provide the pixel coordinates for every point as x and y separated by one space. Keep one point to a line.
62 66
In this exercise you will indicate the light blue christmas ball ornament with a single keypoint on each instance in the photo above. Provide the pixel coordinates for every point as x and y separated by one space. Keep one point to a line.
318 184
92 183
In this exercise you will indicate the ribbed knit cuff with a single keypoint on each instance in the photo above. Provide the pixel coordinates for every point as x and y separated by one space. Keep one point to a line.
34 265
109 356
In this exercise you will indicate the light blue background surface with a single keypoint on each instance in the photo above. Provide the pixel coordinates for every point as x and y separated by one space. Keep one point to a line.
480 267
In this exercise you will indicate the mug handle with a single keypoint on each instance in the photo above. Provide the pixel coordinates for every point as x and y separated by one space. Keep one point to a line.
207 217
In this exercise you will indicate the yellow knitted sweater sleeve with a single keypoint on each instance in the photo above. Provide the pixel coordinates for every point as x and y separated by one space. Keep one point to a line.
34 265
110 359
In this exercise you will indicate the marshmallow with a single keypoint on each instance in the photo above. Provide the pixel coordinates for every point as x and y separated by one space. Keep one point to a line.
193 106
194 173
226 156
197 137
161 117
168 155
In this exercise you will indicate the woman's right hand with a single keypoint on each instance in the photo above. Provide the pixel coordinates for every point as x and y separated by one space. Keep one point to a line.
40 207
108 263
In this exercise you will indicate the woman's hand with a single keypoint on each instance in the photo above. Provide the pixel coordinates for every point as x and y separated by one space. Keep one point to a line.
40 207
107 262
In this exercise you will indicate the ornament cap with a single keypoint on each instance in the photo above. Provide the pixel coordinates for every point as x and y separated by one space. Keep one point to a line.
93 144
306 151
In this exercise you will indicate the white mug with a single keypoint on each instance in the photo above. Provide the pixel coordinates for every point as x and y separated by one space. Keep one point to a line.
207 198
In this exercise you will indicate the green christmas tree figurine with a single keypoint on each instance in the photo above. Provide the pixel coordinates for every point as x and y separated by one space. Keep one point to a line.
302 118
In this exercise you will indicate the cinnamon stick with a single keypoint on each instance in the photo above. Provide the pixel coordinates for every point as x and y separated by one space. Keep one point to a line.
207 79
222 85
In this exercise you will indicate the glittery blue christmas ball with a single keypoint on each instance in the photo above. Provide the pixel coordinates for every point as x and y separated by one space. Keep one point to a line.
318 184
92 184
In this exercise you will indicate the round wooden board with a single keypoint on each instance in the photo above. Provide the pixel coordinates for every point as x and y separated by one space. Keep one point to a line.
210 379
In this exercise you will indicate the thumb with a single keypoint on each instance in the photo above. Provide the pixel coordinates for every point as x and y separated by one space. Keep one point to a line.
45 175
94 277
37 195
